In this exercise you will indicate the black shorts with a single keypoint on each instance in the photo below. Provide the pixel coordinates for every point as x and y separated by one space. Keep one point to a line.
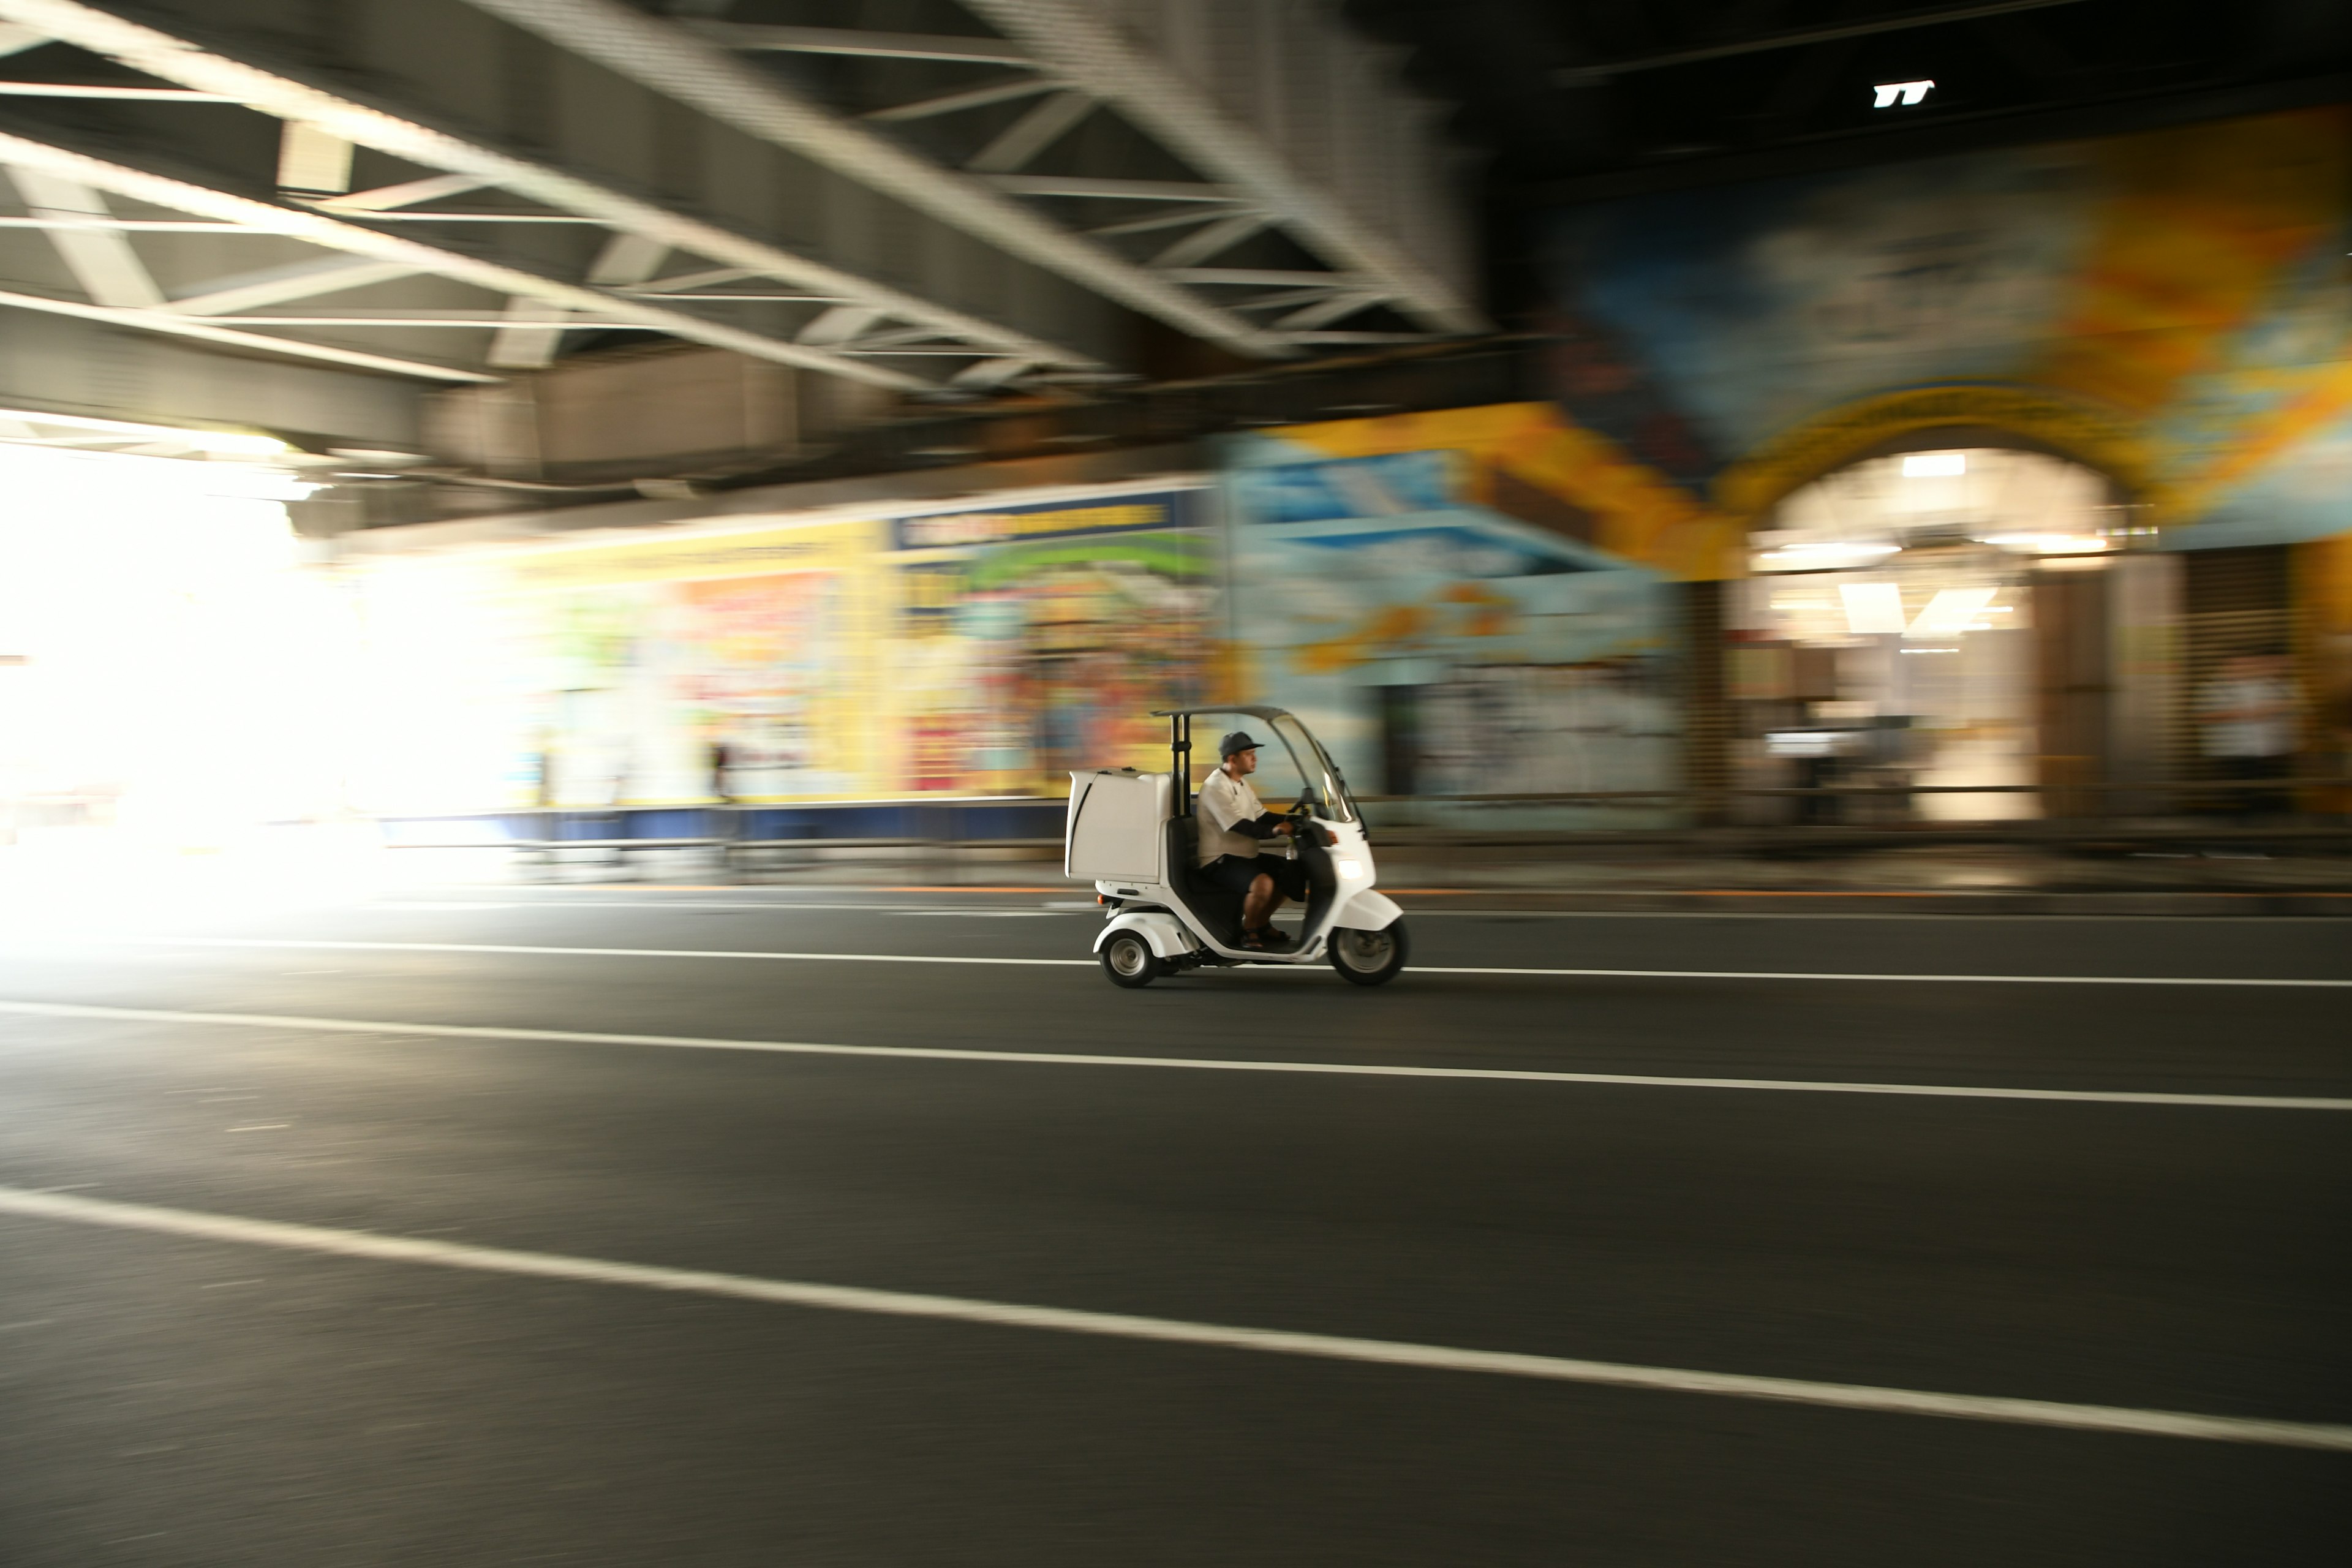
1234 874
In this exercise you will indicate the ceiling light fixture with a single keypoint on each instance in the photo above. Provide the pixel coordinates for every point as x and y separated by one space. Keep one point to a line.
1935 465
1949 613
1871 608
1827 554
2050 543
1891 93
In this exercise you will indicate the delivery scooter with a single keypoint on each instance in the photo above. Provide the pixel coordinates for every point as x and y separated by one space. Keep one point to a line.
1134 836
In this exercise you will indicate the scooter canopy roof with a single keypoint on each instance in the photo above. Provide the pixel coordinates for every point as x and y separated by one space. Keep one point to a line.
1254 710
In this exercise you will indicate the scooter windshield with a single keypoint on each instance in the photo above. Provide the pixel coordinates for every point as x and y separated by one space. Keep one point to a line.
1315 775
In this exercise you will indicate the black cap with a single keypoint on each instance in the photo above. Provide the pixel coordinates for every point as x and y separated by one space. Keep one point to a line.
1239 741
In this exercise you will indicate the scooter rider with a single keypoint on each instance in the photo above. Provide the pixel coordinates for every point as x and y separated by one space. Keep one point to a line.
1234 826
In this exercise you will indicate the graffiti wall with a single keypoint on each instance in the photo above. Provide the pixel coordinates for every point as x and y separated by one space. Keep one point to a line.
973 652
2170 308
1031 640
1471 601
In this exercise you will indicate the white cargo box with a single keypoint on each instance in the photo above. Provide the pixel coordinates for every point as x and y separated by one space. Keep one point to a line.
1114 829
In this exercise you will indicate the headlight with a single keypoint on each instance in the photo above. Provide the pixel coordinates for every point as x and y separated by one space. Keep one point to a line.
1350 866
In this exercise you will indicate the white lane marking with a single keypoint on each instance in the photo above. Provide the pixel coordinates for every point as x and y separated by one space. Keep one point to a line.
1419 911
1874 917
374 1246
530 951
262 1127
1090 908
273 942
981 914
1196 1064
1900 979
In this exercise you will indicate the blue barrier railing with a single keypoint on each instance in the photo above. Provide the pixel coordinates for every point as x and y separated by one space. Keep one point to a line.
962 819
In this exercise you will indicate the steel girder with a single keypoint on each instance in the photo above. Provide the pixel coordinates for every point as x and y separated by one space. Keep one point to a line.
539 280
1331 168
705 76
1341 112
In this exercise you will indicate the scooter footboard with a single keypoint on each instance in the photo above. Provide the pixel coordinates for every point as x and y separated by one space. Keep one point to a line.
1369 910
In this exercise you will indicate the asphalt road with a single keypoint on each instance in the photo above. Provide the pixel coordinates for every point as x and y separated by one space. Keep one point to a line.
314 1285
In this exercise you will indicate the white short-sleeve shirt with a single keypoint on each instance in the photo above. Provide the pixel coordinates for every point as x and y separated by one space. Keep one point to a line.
1225 803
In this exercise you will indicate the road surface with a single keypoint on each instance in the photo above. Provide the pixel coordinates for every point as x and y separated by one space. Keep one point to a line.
492 1228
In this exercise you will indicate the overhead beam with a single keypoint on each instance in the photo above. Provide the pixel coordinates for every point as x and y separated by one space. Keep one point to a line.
172 58
332 234
970 97
1080 43
1204 213
527 339
471 321
1601 70
407 194
1218 237
698 73
839 325
127 225
1275 276
626 261
1323 312
1088 185
1045 125
304 280
170 326
751 35
677 281
106 89
100 259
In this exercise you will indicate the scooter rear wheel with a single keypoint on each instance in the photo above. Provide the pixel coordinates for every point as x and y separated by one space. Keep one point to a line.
1128 960
1368 957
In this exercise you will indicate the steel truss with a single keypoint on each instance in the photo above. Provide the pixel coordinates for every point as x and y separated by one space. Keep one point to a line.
396 234
411 247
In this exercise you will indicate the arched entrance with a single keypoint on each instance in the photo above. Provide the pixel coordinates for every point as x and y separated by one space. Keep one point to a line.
1933 618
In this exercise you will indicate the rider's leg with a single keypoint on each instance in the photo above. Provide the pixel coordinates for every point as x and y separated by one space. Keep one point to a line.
1258 904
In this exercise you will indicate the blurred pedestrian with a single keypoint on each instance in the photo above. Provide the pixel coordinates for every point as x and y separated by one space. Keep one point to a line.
2247 712
723 763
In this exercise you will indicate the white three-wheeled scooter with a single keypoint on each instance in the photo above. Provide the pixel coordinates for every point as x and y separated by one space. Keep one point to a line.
1134 835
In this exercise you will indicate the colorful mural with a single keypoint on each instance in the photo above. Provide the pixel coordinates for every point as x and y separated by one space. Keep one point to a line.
2173 307
1034 639
1468 600
972 652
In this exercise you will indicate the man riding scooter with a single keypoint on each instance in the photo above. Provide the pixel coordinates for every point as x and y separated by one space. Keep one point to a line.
1234 828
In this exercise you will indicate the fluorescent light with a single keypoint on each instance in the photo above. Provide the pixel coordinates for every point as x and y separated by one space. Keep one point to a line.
2049 544
1816 555
1872 607
1949 613
1935 465
1890 93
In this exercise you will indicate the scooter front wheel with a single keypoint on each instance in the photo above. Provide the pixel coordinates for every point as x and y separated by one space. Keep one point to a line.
1368 957
1128 960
